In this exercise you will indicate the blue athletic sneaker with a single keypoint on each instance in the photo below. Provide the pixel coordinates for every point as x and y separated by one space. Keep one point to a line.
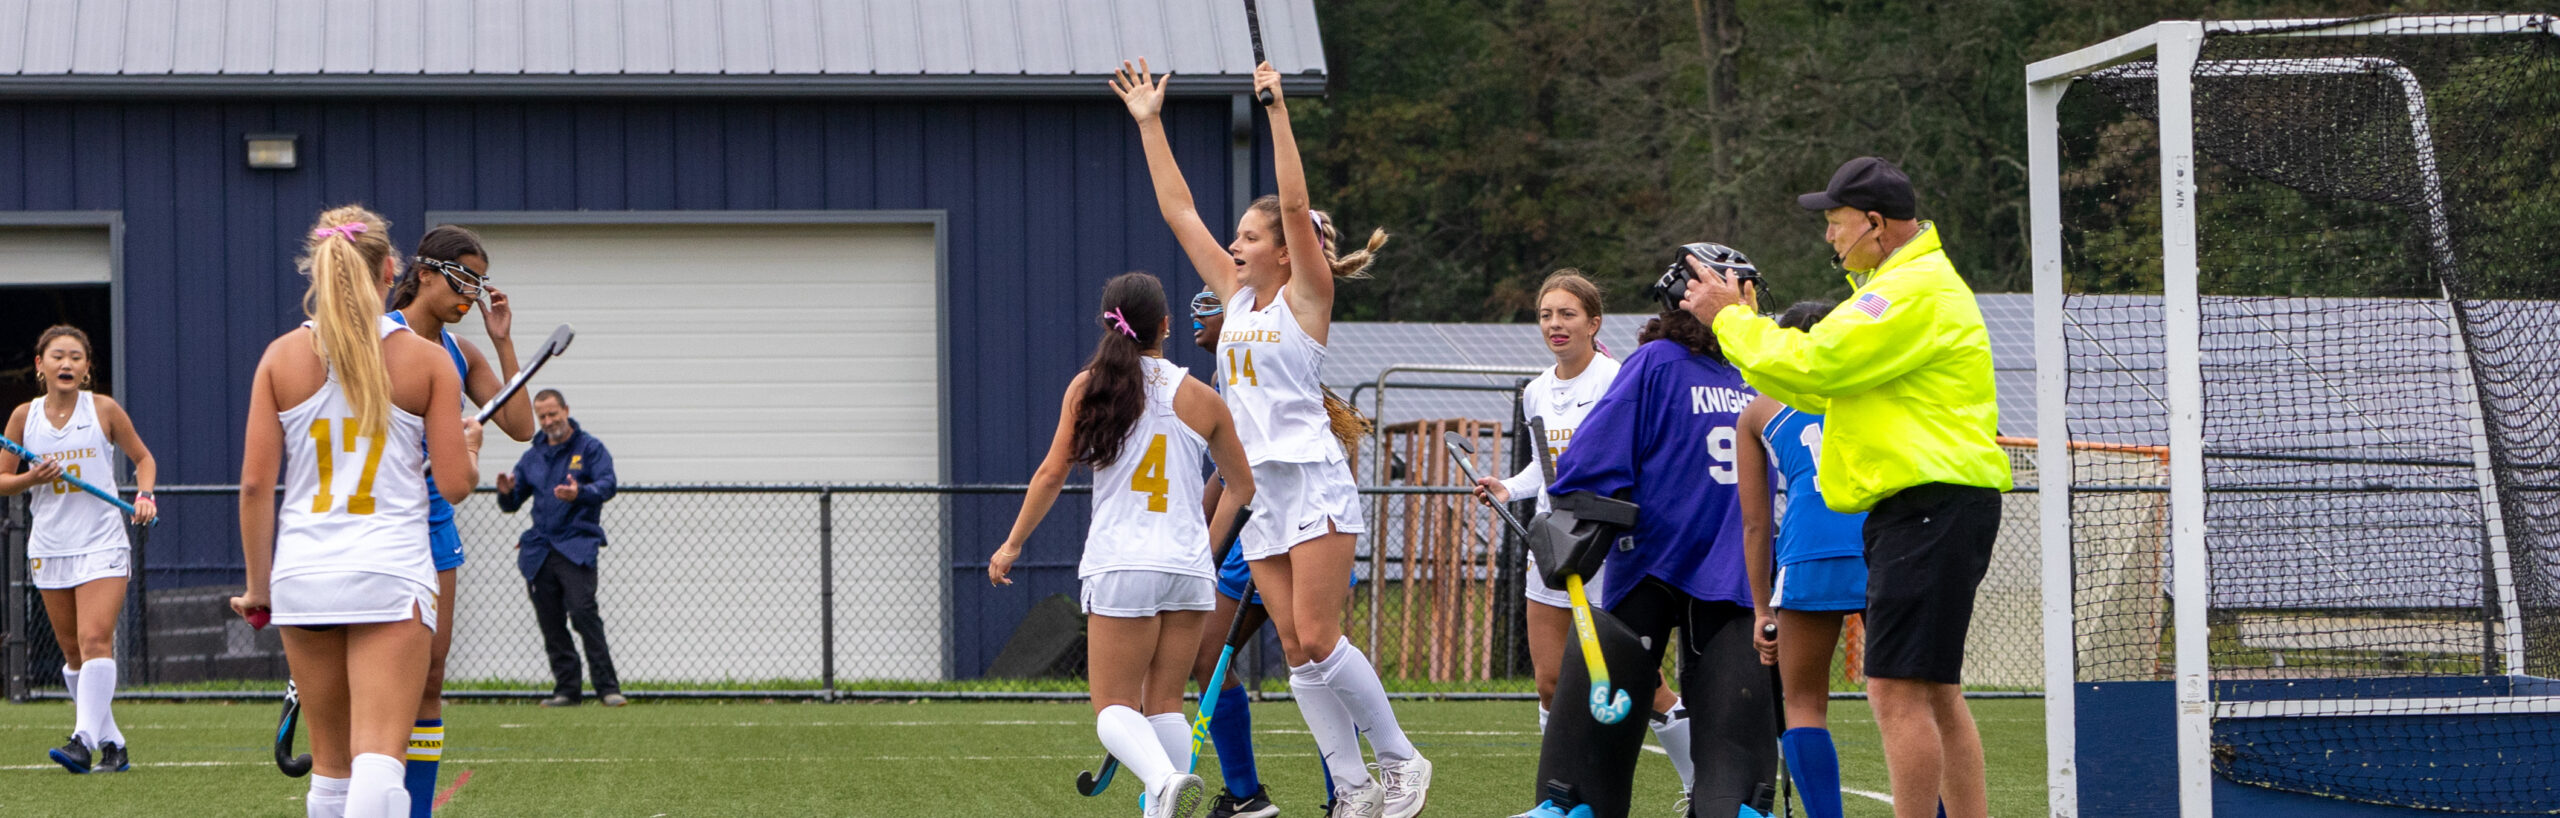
1549 809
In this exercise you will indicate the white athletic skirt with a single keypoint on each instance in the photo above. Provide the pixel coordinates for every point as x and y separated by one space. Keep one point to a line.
1556 597
349 598
1137 593
57 573
1294 502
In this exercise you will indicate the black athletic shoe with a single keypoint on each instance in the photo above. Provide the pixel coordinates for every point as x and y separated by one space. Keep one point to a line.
1229 806
72 755
111 759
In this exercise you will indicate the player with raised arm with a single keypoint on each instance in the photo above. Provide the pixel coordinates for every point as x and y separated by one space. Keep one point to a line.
1277 280
450 274
1569 316
77 551
1648 497
1821 577
354 409
1143 425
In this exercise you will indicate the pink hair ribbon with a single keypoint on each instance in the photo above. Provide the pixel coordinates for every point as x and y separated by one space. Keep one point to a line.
1120 323
346 231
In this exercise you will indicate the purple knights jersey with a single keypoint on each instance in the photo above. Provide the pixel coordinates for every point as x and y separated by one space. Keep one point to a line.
1665 430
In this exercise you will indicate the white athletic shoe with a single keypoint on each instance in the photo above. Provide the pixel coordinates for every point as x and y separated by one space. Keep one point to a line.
1181 796
1405 785
1365 801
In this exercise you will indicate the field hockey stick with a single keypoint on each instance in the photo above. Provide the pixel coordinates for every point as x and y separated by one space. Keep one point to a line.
1608 704
296 766
1253 27
1089 785
1236 634
556 344
1778 702
1458 451
77 483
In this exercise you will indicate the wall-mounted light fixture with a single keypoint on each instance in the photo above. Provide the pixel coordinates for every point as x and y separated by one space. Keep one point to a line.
271 151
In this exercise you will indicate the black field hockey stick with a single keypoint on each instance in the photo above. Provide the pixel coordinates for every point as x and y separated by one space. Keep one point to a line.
1253 27
556 344
296 766
1458 450
1089 785
1778 702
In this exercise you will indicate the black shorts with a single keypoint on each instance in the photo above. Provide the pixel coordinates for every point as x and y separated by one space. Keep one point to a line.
1927 548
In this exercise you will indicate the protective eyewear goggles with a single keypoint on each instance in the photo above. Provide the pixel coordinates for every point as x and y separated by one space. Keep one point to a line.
471 285
1204 305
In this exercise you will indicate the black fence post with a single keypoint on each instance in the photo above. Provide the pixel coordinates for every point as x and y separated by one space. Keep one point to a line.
140 620
827 589
1511 592
13 601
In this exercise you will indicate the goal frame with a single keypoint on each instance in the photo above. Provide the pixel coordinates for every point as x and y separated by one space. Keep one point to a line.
2175 47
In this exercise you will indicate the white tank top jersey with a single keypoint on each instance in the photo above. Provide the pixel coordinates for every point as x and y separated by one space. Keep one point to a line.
1272 372
352 503
1146 504
68 521
1563 404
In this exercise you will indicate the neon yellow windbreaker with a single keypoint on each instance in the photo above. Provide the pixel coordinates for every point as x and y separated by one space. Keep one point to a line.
1901 373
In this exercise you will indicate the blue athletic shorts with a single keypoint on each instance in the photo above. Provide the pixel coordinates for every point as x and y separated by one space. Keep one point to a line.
1833 584
444 541
1232 575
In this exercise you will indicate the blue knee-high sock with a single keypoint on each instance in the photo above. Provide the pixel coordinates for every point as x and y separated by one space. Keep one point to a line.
1815 765
426 752
1231 731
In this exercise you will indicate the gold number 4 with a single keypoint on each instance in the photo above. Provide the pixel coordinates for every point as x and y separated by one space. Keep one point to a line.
322 500
1149 478
1246 370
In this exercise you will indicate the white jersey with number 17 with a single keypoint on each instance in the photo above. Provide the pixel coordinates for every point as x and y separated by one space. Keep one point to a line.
352 503
1146 504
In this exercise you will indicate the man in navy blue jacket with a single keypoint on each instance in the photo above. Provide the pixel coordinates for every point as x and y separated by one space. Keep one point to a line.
569 475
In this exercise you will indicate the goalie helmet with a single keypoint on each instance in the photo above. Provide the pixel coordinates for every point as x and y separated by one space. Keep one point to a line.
1727 263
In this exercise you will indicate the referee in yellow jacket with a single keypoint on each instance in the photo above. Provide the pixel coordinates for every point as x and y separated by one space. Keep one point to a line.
1901 373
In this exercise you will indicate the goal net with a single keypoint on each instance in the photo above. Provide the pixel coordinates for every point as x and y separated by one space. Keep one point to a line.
2336 321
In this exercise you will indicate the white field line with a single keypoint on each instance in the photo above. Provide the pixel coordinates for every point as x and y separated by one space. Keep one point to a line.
1656 748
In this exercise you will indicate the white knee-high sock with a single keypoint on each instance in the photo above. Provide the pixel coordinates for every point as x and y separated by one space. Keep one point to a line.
1132 740
375 790
328 798
1673 731
1356 683
79 706
1174 733
95 702
1337 737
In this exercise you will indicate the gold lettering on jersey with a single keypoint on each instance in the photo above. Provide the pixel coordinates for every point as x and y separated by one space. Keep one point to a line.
70 454
1249 336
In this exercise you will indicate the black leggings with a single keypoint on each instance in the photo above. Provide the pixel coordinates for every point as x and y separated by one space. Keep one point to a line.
1728 694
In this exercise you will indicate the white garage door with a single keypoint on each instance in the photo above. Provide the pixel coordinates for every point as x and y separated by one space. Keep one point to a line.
801 353
50 255
734 353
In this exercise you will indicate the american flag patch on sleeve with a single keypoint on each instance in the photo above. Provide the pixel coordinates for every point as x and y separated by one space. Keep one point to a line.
1871 304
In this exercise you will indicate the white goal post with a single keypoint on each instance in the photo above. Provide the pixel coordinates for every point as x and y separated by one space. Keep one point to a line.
2175 47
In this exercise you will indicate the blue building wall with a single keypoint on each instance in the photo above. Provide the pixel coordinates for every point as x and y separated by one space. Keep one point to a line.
1046 200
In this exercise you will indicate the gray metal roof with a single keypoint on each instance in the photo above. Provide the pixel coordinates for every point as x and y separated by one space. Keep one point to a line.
652 47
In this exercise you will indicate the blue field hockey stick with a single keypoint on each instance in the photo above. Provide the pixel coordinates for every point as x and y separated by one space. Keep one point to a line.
1236 635
77 483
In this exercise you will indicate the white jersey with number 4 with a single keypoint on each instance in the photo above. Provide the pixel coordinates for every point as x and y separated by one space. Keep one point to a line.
1272 369
69 521
353 504
1146 504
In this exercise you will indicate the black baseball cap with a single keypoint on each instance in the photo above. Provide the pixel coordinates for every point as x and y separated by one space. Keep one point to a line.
1866 183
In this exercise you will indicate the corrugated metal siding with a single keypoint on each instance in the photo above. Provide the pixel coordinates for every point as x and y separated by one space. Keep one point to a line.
1046 201
607 37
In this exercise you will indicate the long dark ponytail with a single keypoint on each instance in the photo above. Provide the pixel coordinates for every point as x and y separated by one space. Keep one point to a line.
1115 383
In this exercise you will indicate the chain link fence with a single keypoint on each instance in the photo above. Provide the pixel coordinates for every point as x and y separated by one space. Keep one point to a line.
826 591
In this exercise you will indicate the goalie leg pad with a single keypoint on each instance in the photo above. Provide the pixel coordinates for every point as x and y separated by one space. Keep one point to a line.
1733 720
1599 760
